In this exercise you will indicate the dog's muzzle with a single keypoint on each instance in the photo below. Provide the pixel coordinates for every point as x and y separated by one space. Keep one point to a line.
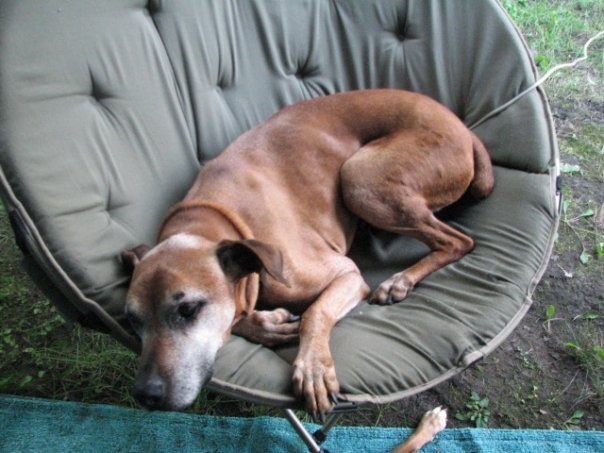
156 393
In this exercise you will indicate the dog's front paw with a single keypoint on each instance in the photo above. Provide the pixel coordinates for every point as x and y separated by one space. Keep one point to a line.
270 328
393 290
314 379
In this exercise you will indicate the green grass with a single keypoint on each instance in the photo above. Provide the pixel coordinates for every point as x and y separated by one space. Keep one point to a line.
587 347
585 147
556 30
42 355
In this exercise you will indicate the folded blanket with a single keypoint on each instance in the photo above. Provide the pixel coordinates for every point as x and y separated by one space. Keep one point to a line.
37 425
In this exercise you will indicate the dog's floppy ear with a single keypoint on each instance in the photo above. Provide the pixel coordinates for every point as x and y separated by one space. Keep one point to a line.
131 257
240 258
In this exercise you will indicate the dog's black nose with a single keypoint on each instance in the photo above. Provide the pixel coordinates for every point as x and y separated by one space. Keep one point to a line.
150 392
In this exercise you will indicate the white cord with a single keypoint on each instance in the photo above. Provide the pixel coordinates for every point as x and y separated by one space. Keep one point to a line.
539 82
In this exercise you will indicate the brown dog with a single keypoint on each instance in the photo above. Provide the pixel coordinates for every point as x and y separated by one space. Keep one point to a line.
268 223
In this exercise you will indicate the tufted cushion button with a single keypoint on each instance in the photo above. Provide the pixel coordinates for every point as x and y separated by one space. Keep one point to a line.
304 72
224 82
152 7
402 30
97 92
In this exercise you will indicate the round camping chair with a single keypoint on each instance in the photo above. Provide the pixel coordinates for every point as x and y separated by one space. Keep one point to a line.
108 109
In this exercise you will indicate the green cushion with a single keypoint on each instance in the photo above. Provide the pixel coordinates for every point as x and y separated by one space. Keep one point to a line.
107 110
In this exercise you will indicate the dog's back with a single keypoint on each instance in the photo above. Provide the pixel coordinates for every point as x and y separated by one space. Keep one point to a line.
293 160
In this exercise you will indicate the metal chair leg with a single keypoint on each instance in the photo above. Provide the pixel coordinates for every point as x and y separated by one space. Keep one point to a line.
306 437
314 441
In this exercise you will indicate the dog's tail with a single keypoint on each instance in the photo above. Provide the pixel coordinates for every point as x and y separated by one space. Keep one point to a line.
484 180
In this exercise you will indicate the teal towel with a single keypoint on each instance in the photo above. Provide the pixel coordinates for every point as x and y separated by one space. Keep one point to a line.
37 425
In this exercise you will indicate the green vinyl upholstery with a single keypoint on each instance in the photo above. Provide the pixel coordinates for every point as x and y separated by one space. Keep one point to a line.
108 109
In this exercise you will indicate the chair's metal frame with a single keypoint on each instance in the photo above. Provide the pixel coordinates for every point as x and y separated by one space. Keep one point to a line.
314 440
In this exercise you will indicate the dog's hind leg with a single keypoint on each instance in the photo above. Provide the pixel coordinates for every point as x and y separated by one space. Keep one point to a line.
447 246
396 182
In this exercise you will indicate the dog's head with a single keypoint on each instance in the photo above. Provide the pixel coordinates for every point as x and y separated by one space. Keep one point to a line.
185 295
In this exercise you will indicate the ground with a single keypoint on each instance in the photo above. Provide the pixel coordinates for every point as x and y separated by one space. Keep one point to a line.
548 373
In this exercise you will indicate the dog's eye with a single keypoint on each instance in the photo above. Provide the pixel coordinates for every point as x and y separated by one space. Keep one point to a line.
189 310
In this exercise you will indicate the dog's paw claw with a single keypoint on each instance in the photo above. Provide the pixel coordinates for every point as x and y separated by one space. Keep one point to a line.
335 398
